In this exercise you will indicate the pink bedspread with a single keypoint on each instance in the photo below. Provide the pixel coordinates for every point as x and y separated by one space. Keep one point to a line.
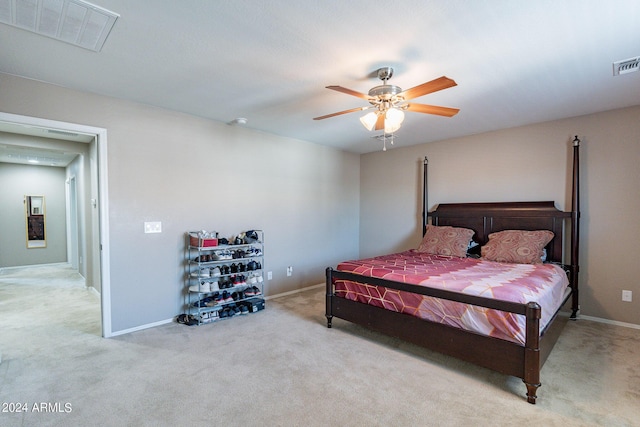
521 283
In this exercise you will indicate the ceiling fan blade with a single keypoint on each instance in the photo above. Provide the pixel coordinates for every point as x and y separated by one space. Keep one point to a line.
433 109
428 87
349 92
380 122
353 110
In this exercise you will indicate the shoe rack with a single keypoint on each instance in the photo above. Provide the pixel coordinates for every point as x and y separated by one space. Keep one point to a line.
224 276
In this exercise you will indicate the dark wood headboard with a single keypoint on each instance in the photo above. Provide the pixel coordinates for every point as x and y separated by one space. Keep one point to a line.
487 218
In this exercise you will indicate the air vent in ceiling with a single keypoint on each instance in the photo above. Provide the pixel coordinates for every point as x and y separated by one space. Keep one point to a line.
626 66
72 21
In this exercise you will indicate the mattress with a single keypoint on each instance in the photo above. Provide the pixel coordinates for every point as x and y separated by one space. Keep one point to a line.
545 284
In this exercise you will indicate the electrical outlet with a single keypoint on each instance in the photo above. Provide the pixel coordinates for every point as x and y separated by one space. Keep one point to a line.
269 275
627 296
289 271
153 227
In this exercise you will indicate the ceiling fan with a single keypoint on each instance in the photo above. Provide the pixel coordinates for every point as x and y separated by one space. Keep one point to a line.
389 102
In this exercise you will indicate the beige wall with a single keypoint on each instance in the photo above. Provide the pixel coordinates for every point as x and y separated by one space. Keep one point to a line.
319 205
16 182
524 163
191 174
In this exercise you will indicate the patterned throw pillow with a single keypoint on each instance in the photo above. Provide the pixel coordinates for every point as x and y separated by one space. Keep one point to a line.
517 246
445 240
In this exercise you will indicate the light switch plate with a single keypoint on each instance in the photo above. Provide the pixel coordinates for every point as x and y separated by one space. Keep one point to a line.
153 227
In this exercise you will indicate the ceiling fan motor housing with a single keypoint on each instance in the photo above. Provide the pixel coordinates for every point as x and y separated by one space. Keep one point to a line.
384 92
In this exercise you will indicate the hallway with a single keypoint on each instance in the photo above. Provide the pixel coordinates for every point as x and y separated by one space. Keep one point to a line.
41 306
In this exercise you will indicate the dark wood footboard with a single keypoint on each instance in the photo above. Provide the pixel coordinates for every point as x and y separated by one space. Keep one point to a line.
499 355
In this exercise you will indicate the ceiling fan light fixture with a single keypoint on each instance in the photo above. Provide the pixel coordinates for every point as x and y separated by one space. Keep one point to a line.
369 120
393 120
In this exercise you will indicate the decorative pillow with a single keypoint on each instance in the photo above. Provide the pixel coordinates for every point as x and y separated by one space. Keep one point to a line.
446 240
517 246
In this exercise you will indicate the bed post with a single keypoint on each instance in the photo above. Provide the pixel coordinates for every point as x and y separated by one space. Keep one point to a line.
575 228
532 366
329 308
425 194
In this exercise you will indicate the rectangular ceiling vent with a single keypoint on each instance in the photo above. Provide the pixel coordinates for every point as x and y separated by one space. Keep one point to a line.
72 21
626 66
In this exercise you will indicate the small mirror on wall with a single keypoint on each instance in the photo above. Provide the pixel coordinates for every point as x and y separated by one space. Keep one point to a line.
36 221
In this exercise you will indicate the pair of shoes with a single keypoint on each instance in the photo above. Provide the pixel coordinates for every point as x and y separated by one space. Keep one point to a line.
237 296
238 253
201 287
202 303
252 291
186 319
209 316
222 255
203 258
203 272
225 284
229 311
226 297
254 279
253 252
251 236
238 280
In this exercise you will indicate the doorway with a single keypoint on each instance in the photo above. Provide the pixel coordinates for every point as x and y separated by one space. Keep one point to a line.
98 173
72 224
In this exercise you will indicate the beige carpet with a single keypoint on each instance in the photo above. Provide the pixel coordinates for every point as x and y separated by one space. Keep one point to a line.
282 366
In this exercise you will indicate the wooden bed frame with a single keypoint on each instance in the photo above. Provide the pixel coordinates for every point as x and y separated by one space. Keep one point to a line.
506 357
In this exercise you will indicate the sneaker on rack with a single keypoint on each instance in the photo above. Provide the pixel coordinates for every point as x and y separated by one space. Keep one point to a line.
256 290
201 287
203 272
214 286
244 309
218 299
215 272
226 297
249 292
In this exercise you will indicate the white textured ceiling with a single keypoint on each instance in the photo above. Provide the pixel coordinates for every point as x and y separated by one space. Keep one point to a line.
515 62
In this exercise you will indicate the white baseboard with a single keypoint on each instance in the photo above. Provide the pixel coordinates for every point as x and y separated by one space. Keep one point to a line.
140 328
609 322
94 291
284 294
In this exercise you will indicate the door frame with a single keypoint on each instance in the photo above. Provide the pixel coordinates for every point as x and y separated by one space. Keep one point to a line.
103 200
73 245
